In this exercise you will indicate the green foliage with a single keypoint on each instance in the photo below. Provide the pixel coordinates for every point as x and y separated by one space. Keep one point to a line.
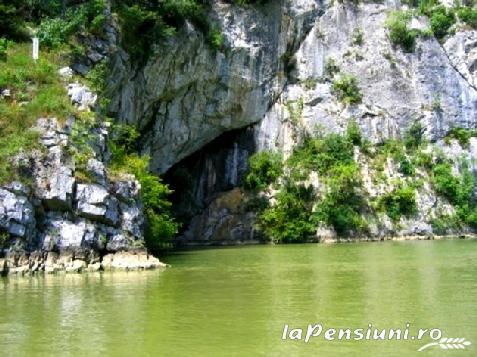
457 189
264 168
89 16
445 224
97 77
11 19
461 135
290 218
321 153
161 226
295 109
36 91
413 137
406 167
358 37
400 202
216 38
347 90
441 21
425 6
331 67
399 32
342 205
353 133
145 23
4 44
54 32
468 15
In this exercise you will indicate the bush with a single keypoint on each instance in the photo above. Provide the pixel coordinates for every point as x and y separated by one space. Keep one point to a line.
3 49
145 23
461 135
468 15
400 202
290 218
413 137
457 189
160 226
342 205
54 32
216 38
353 133
441 21
406 167
347 90
331 67
264 168
446 224
399 32
320 154
11 20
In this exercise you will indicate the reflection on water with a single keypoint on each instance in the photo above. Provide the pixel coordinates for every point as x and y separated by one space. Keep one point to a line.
235 301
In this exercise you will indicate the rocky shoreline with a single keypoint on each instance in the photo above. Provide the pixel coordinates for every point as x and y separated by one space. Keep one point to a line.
77 262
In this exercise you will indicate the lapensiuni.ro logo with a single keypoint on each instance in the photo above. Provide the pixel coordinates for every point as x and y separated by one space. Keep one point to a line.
313 331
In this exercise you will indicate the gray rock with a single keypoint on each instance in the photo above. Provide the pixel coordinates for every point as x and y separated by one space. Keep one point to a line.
81 96
65 72
16 214
91 200
98 172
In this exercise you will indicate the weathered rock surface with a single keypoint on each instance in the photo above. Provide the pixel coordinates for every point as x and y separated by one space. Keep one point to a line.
63 224
188 94
170 99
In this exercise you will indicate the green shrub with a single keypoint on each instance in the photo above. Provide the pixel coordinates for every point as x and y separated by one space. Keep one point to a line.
347 90
160 226
3 49
353 133
97 77
358 37
320 154
145 23
406 167
54 32
11 20
445 224
264 168
468 15
290 219
461 135
399 32
414 136
331 67
400 202
457 189
216 38
441 21
342 205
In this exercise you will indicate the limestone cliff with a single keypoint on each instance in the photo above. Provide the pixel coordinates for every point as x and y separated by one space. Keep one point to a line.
276 57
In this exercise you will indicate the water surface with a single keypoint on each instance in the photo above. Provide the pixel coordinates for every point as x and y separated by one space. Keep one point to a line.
235 302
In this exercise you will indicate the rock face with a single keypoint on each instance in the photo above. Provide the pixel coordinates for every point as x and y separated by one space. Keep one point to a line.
67 225
274 78
188 94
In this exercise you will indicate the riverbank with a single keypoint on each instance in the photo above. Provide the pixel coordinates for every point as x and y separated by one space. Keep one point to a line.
77 262
81 262
331 240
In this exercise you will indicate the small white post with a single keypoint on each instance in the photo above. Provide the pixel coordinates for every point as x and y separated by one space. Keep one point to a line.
36 48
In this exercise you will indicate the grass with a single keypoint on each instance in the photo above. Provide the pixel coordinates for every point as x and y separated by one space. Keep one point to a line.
36 91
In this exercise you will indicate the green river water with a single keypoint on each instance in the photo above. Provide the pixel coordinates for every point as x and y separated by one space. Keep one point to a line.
235 302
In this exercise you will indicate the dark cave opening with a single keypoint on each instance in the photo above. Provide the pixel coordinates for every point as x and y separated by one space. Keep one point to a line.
219 166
